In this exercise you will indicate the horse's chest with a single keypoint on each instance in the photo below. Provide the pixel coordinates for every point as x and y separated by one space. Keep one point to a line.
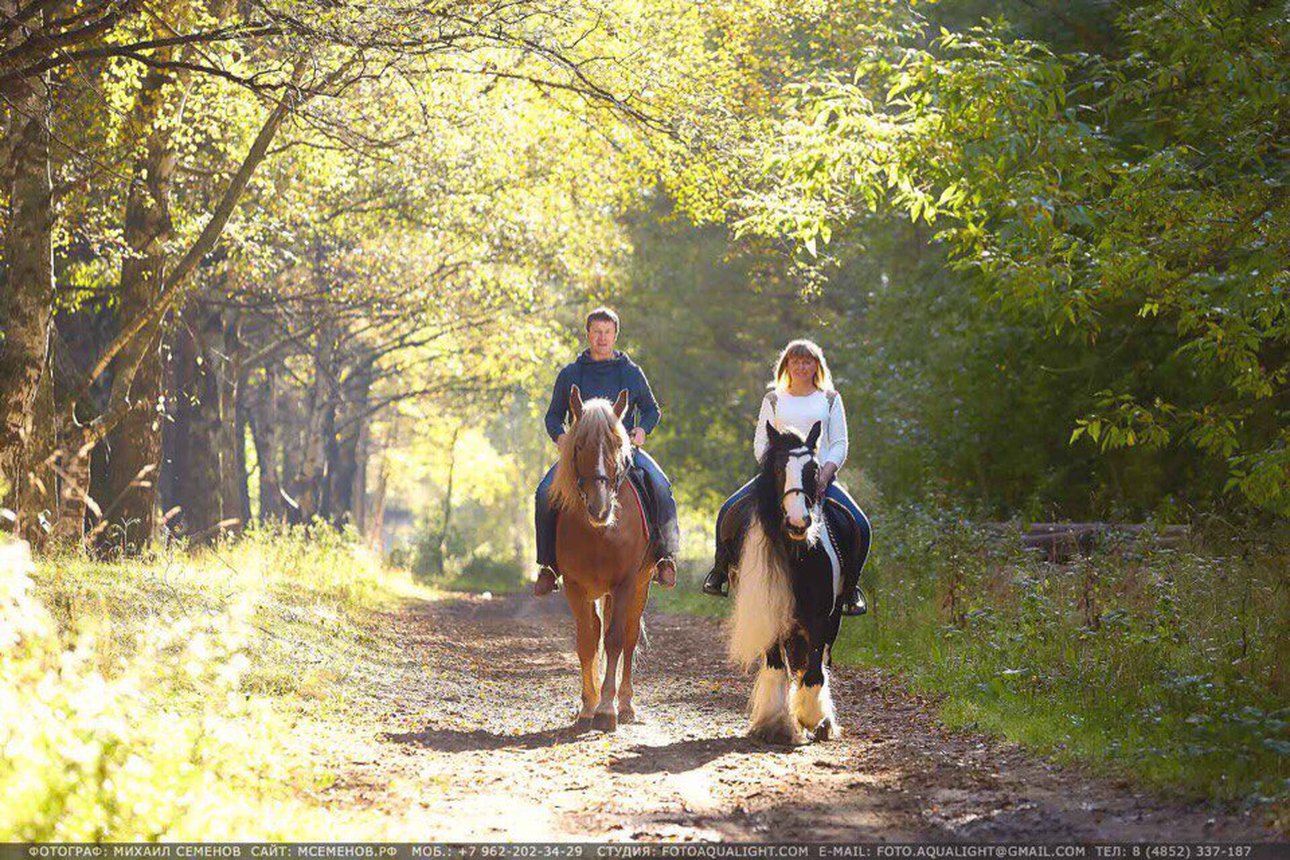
592 553
817 579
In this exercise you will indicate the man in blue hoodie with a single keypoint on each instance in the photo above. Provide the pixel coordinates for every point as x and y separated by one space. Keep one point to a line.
602 371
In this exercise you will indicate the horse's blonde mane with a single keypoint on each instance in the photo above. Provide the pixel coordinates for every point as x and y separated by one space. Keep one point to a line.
598 423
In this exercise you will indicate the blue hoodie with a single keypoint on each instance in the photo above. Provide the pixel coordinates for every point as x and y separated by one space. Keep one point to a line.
603 379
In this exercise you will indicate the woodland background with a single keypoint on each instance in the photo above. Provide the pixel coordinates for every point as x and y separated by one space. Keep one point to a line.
306 263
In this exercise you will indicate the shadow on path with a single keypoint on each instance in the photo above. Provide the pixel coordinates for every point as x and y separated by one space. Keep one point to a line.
455 740
683 755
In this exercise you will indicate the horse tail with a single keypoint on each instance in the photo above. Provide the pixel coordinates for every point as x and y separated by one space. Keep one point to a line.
764 606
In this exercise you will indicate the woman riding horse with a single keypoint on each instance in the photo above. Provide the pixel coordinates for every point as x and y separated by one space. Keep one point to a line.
801 394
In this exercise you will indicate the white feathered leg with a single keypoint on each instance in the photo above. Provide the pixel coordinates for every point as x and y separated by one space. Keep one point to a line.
813 710
772 720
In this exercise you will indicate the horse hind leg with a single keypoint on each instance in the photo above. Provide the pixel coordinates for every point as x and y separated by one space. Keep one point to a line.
770 720
813 701
606 715
634 631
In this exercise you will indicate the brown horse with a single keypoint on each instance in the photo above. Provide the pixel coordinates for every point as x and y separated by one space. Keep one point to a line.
603 551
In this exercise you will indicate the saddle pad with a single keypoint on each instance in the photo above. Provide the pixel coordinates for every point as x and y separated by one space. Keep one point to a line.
640 504
636 477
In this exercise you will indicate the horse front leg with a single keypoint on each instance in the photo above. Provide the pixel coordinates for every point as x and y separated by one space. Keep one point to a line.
636 598
813 701
588 644
770 719
606 717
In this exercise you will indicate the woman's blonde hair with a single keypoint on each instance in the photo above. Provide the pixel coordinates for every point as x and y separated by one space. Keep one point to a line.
806 349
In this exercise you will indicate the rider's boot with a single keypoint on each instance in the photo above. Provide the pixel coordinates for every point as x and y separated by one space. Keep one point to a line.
665 572
855 603
546 581
714 583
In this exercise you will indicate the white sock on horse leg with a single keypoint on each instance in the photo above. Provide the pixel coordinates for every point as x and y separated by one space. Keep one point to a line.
770 699
813 705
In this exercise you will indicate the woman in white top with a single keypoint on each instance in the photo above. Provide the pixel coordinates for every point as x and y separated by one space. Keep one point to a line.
801 395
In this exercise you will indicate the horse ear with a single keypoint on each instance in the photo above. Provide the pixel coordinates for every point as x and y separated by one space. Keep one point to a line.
620 405
813 436
575 402
773 435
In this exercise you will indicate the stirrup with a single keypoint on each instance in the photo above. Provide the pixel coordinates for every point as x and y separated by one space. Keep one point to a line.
856 604
547 581
713 582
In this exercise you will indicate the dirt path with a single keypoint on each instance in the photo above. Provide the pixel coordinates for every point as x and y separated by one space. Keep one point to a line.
465 737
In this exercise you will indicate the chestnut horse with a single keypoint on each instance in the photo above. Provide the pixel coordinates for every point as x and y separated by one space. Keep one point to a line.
603 552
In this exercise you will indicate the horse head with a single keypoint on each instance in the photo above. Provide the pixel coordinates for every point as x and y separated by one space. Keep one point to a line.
790 482
595 457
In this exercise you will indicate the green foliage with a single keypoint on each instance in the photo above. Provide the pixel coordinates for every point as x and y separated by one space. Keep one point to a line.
139 702
1134 194
1143 661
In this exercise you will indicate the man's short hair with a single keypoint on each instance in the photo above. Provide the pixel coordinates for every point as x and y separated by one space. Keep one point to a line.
604 314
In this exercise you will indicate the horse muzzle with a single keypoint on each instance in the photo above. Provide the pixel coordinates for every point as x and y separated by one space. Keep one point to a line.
602 518
797 533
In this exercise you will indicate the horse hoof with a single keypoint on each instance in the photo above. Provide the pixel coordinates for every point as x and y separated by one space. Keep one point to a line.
626 715
605 721
828 731
582 724
777 735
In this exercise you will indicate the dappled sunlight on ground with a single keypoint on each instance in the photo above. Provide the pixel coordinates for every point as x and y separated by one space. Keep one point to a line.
469 736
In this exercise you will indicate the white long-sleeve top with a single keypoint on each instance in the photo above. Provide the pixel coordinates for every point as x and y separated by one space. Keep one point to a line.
801 413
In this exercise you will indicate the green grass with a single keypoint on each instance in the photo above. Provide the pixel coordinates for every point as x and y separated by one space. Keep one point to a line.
1164 667
166 697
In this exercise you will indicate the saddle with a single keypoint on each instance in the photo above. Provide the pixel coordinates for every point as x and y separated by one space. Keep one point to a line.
844 531
640 481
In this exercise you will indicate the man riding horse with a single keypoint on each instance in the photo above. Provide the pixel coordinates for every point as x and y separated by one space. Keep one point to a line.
602 371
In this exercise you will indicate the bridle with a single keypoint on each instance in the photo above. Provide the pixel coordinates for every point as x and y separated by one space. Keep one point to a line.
600 477
792 491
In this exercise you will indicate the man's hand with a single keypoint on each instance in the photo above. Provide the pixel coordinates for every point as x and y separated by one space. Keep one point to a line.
638 437
560 438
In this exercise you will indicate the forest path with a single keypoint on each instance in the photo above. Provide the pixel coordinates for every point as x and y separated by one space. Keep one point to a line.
465 735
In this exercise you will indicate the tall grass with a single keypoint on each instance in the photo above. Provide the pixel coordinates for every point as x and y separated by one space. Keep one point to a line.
1168 665
161 698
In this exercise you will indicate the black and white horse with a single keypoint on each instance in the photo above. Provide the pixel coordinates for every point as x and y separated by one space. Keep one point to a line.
787 581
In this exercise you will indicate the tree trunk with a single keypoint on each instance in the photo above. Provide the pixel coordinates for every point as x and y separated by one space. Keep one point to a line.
263 419
232 428
310 483
358 490
292 425
441 546
27 294
192 468
134 453
350 421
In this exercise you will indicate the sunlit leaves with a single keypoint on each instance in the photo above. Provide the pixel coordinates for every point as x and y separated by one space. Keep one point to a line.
1095 194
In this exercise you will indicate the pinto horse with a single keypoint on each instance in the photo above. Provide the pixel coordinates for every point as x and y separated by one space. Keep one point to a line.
787 583
604 553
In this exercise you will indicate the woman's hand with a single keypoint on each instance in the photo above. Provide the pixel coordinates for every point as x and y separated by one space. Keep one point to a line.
638 437
827 473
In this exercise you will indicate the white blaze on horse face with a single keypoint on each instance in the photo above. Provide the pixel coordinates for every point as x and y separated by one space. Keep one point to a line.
600 486
795 507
